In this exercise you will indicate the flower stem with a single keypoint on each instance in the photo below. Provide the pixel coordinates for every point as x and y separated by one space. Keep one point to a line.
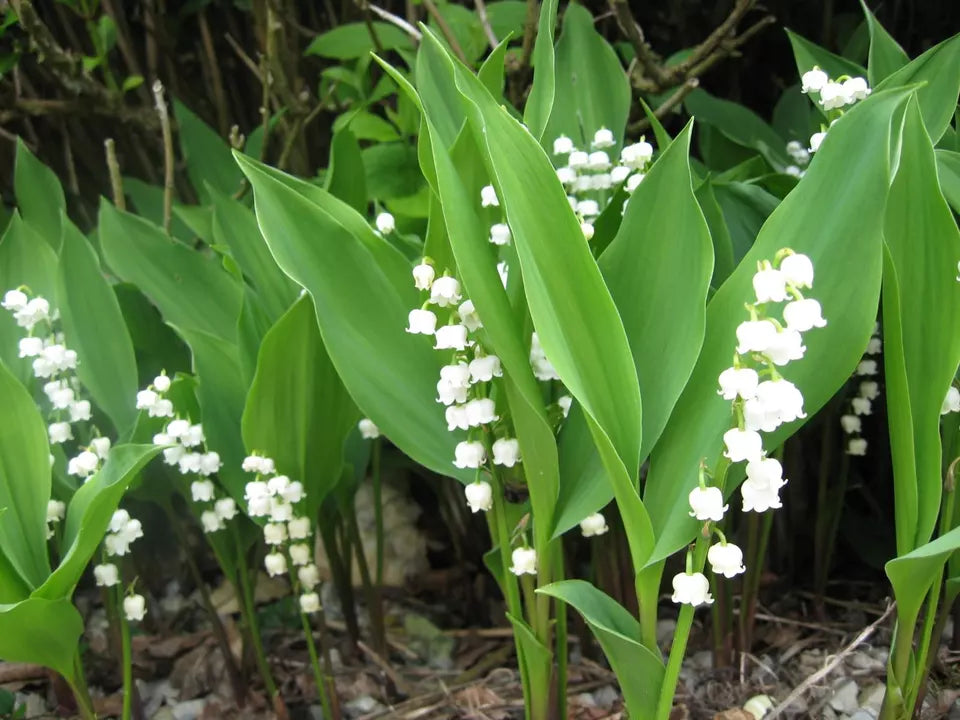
126 655
371 589
318 676
81 693
249 611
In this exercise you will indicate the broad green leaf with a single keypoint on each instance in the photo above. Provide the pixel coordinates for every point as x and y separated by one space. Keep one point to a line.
364 125
25 259
362 292
447 114
297 410
44 632
745 208
24 481
793 116
537 662
659 132
345 178
94 327
352 40
924 244
155 344
391 170
948 168
808 54
592 90
539 103
235 226
740 125
506 17
638 670
723 262
659 309
912 574
491 73
939 71
89 513
39 195
148 201
850 175
191 290
886 55
465 27
13 588
207 155
581 333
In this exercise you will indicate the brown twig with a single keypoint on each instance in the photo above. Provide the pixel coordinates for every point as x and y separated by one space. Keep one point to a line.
649 62
668 105
485 23
712 42
168 158
398 21
216 79
823 672
445 30
113 167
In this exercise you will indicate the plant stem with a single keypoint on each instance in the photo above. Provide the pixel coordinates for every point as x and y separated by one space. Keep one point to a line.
318 676
78 685
374 603
249 611
126 655
561 644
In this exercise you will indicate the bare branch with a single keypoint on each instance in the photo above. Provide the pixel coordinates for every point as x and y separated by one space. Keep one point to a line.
168 158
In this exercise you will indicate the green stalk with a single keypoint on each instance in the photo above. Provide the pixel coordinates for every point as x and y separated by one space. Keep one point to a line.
561 644
371 590
377 510
680 637
126 655
81 693
318 676
249 612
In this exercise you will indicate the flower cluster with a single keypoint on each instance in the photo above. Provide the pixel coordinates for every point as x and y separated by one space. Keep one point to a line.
122 532
762 401
56 364
186 450
288 531
800 156
590 177
862 403
832 95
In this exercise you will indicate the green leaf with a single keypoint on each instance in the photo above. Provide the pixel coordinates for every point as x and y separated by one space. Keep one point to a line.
132 82
235 226
723 262
886 55
366 126
25 259
89 513
849 175
465 26
391 170
39 195
507 17
634 268
358 281
745 208
638 670
44 632
537 661
807 54
491 73
924 244
148 201
191 290
948 168
345 178
352 40
911 575
297 410
24 481
592 90
793 115
740 125
94 327
206 154
939 69
539 106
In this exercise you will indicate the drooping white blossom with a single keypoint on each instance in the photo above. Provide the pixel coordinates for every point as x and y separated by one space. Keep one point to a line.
506 452
479 496
524 561
691 589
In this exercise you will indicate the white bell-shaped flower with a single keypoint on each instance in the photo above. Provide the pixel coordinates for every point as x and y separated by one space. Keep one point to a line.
869 389
298 528
277 485
275 564
481 411
803 315
451 337
134 607
294 492
567 175
742 445
35 311
867 367
786 345
874 346
758 416
598 160
209 463
368 430
706 503
593 525
832 96
454 383
300 554
506 452
578 159
488 197
798 269
202 490
755 336
445 291
691 589
210 521
524 561
542 368
14 300
190 463
500 234
633 182
813 80
861 406
386 223
84 464
951 401
619 174
456 417
309 603
193 436
275 533
468 316
280 511
562 145
421 322
479 496
80 411
469 454
854 89
226 508
423 276
146 399
30 346
636 156
565 402
485 369
738 382
59 432
161 383
816 140
783 397
726 559
588 230
588 208
603 138
56 510
309 576
856 446
106 575
761 490
851 424
770 285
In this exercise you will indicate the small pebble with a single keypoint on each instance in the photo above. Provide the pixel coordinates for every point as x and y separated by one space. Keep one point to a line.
844 698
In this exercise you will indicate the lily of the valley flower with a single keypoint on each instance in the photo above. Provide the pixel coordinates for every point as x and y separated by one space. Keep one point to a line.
500 234
524 561
706 503
421 322
813 80
856 446
310 603
451 337
593 525
740 382
106 575
803 315
368 430
726 559
742 445
761 489
691 589
479 496
134 607
469 454
385 223
951 402
423 275
445 291
506 452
